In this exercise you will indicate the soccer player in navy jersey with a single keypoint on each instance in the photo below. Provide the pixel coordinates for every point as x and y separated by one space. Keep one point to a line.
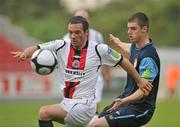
132 108
79 63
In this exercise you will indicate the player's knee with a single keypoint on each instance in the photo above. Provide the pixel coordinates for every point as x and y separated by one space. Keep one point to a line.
94 124
43 113
101 122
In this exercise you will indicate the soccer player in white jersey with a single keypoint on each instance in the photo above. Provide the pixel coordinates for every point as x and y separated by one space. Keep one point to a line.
79 61
104 75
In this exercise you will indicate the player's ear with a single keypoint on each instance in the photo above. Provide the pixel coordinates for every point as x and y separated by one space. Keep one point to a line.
144 29
87 32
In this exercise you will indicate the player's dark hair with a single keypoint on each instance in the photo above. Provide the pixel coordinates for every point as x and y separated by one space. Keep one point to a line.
79 19
141 19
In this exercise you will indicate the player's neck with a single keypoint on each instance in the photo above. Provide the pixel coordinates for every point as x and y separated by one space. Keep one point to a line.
81 46
142 42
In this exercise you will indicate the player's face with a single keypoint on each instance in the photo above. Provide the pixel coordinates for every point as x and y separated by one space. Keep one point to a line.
135 32
77 35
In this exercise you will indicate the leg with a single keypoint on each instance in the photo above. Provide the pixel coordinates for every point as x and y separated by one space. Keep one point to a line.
51 112
80 115
126 116
100 122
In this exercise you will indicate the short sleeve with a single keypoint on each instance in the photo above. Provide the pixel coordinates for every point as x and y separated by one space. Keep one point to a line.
108 55
148 68
52 45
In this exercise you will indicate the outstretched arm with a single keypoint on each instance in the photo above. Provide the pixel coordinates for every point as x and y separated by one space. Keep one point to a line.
122 47
27 53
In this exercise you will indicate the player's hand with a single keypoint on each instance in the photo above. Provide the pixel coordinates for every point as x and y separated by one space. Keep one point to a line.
117 104
20 56
146 86
114 40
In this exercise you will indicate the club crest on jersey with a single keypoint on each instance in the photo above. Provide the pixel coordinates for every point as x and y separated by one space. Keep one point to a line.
109 50
114 53
75 64
135 62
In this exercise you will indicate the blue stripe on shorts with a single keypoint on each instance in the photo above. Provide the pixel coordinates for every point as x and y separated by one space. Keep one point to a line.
132 115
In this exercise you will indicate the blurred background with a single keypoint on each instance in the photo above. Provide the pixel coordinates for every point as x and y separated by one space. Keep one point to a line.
24 23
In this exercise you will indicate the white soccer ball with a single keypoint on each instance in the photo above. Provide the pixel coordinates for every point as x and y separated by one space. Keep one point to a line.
43 61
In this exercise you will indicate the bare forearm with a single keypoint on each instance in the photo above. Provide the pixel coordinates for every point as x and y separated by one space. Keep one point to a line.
29 51
139 94
124 49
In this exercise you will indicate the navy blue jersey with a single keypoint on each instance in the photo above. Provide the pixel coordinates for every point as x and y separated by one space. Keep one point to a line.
147 63
134 114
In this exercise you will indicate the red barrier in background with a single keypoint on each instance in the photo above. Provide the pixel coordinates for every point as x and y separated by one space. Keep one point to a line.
15 77
19 86
5 86
7 62
29 84
47 86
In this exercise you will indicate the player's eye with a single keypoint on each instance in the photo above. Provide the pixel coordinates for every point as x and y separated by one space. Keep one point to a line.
70 32
77 32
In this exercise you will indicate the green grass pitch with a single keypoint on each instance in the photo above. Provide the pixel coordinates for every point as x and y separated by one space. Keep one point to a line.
25 114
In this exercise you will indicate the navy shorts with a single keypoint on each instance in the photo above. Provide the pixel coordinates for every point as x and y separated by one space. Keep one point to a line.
127 116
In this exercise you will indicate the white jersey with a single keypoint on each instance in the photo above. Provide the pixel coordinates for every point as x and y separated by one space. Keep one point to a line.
96 37
79 69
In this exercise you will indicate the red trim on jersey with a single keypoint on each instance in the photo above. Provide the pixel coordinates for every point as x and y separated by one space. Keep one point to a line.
70 57
69 65
70 86
66 89
73 89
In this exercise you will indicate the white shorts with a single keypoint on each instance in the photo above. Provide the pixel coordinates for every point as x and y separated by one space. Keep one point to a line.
80 111
99 88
